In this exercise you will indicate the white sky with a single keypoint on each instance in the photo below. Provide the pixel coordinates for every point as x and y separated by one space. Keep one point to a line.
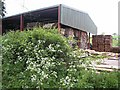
104 13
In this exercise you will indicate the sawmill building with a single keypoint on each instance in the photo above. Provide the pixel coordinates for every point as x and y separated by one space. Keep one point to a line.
69 21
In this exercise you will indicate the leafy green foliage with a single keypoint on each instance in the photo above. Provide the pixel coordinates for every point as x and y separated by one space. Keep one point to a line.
35 53
43 59
119 40
115 40
90 79
0 62
2 8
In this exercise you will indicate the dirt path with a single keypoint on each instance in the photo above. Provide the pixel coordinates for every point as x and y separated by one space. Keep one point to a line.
113 63
107 65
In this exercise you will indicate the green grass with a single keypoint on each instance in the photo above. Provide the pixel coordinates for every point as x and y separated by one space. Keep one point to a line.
115 41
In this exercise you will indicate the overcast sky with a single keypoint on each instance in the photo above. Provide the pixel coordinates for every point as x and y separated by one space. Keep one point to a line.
104 13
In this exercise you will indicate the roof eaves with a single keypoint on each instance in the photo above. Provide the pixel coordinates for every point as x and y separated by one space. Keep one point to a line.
32 11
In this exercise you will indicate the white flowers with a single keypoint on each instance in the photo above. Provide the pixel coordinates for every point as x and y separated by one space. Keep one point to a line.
19 58
67 81
60 51
25 50
33 78
57 45
39 41
51 48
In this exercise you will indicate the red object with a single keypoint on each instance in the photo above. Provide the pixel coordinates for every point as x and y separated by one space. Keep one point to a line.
79 33
89 41
59 19
21 23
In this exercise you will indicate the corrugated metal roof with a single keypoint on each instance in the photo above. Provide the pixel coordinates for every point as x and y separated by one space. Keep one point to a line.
69 16
77 19
28 12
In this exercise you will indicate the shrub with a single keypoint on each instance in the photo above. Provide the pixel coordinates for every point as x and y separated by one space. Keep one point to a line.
91 79
43 59
31 55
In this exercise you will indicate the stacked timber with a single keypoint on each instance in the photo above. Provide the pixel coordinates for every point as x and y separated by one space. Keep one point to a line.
102 43
108 43
33 24
115 49
83 40
41 24
94 43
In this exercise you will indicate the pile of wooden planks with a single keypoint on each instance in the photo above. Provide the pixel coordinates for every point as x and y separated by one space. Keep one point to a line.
108 43
102 43
115 49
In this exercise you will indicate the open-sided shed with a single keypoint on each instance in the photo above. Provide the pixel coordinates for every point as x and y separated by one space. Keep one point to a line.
78 22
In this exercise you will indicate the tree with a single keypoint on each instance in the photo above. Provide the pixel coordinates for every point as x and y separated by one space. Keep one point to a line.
103 33
2 8
114 34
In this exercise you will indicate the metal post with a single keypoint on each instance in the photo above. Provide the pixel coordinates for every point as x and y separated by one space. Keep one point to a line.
89 42
79 38
21 23
0 26
59 18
